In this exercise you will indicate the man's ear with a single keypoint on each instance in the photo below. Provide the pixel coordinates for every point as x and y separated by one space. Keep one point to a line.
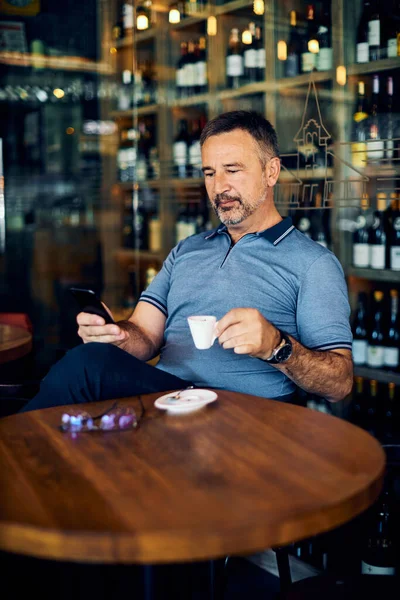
273 169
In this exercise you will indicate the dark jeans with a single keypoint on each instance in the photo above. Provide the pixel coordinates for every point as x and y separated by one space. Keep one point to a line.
96 371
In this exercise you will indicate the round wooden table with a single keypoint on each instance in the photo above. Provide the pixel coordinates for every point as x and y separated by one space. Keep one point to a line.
15 342
241 475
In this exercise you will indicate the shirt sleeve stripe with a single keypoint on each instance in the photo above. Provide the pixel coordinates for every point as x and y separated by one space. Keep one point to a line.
333 346
154 302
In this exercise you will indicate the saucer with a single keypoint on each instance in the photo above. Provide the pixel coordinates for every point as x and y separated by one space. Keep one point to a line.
188 400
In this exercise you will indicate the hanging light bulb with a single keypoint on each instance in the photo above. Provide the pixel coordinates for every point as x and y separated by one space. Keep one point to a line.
174 15
247 38
313 46
212 26
258 7
142 20
341 75
282 50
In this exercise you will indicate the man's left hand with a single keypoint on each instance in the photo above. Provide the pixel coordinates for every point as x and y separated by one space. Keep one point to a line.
247 332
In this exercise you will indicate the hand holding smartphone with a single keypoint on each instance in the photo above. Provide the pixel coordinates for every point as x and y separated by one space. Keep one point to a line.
88 301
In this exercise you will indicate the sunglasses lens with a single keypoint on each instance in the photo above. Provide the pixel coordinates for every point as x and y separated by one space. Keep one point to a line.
76 421
120 418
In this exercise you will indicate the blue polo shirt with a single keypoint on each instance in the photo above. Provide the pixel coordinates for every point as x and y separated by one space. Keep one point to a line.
295 283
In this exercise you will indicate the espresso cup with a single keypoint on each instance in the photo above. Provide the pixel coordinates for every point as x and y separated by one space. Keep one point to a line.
202 328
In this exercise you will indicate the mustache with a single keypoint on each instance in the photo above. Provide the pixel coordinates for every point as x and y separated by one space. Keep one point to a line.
219 198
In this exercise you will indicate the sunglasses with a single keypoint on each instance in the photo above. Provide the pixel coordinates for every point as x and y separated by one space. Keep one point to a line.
115 418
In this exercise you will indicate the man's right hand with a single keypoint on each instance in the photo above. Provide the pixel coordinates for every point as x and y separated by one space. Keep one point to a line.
93 329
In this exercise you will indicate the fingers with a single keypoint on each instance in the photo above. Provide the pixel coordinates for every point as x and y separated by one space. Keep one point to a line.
93 329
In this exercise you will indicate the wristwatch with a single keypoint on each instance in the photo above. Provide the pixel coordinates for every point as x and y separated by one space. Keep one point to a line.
282 352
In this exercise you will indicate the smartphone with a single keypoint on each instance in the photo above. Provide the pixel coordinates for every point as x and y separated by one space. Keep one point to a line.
89 302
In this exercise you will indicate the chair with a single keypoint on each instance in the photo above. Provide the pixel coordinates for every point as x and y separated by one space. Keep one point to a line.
17 381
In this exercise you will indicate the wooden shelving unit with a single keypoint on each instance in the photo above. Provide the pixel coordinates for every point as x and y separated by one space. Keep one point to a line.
269 95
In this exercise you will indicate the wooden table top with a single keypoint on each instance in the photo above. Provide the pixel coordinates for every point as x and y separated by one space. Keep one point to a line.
241 475
15 342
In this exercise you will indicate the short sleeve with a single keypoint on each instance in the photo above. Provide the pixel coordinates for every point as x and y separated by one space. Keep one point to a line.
323 309
157 292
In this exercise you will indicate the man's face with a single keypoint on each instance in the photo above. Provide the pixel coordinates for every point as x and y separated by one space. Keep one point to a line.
234 177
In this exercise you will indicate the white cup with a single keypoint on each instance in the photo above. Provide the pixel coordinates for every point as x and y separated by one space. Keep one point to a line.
202 328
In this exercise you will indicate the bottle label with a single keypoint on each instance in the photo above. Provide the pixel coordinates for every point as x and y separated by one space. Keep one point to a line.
250 58
127 15
362 52
189 75
180 153
377 256
308 61
180 78
195 154
375 356
201 73
234 65
324 59
360 348
261 58
395 258
367 569
392 48
359 154
375 148
391 357
374 33
361 255
292 66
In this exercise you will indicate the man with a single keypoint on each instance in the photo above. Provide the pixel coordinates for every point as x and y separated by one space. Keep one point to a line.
280 298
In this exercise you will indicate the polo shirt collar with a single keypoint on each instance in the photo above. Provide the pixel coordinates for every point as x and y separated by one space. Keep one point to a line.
274 234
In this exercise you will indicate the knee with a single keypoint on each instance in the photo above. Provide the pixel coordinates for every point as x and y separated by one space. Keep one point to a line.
79 361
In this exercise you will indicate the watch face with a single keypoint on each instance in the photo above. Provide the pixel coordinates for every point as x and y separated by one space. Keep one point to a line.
284 353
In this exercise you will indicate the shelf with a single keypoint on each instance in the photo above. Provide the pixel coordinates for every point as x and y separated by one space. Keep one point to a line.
126 256
303 79
192 100
375 274
190 21
305 174
149 109
58 63
245 90
233 6
137 38
378 374
374 67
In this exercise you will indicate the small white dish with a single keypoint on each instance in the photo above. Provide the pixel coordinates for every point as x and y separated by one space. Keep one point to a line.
188 401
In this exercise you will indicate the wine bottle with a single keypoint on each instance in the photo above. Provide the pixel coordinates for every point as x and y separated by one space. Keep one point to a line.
389 411
155 241
180 150
389 121
359 327
125 96
375 144
292 63
194 150
359 145
392 37
376 336
362 48
250 56
234 60
201 78
127 18
379 556
309 57
394 237
260 54
377 235
358 401
190 70
374 32
325 54
360 236
392 337
180 81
